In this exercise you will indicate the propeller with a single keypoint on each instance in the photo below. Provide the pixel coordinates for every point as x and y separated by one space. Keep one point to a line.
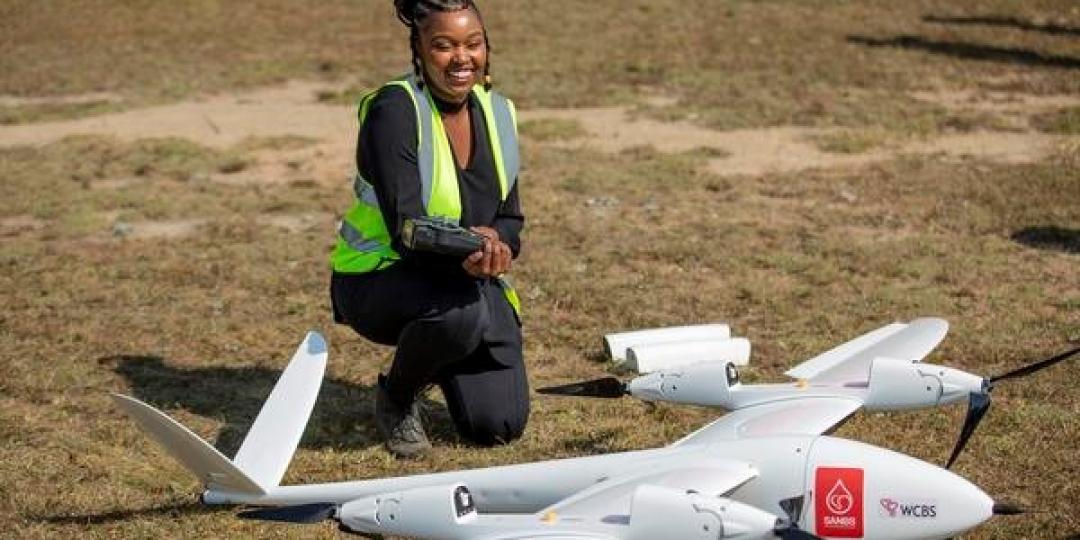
788 529
791 532
301 513
607 387
979 402
1007 509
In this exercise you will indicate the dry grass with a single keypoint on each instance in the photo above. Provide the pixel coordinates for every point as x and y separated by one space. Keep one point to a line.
1061 121
551 129
849 141
200 324
727 64
29 113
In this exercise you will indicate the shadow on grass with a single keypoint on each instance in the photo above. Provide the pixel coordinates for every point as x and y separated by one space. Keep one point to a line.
969 51
1006 22
342 416
1057 238
169 510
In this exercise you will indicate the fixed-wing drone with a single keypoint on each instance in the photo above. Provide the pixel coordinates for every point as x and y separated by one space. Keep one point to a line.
765 470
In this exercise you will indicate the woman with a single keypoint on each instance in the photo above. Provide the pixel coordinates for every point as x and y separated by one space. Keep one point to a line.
437 142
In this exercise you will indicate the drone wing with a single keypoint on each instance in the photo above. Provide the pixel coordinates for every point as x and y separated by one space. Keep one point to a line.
796 416
687 500
547 534
610 500
850 362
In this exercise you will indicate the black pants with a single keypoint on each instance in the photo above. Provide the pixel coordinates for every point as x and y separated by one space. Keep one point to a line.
451 330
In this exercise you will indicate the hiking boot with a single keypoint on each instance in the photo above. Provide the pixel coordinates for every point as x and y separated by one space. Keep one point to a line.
401 428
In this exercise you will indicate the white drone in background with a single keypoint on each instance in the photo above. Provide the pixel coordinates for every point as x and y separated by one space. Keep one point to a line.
765 470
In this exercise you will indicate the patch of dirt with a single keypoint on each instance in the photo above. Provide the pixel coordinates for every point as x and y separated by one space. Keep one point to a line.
783 149
746 151
294 109
1001 147
217 121
145 230
181 228
113 183
324 162
869 235
225 120
17 225
21 101
1001 102
297 223
1010 109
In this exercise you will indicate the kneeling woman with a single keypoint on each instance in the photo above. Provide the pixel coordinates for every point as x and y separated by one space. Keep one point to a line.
437 143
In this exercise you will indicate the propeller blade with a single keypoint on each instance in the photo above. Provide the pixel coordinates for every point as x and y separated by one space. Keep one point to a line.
607 387
794 533
301 513
793 508
978 404
1032 368
788 529
1007 509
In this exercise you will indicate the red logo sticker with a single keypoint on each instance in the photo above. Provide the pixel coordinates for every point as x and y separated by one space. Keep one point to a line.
838 502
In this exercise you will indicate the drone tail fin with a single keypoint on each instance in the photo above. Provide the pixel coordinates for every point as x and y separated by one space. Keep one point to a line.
198 456
269 445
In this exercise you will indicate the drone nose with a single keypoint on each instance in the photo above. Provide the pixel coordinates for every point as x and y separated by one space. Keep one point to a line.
878 493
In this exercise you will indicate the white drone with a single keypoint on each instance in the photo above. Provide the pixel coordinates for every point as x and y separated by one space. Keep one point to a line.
765 470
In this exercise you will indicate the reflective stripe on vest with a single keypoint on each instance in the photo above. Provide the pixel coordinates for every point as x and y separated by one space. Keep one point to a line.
510 294
355 239
425 138
364 191
500 115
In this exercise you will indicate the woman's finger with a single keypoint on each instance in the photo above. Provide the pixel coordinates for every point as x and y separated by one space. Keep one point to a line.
487 262
504 258
496 259
486 232
470 267
471 264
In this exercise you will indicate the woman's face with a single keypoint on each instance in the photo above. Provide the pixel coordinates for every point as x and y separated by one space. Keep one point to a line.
453 53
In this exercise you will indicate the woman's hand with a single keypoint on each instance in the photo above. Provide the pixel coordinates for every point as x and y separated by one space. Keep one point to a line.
493 260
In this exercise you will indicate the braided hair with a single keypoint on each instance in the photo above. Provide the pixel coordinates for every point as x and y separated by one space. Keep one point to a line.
413 13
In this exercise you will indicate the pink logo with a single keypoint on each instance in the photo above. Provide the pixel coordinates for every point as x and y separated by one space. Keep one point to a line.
890 506
839 499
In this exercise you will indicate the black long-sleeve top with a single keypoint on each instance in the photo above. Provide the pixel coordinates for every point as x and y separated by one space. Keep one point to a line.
386 157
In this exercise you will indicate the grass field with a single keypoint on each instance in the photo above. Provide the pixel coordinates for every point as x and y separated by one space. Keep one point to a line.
157 267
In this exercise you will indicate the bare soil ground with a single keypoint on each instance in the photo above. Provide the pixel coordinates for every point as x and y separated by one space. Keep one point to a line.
170 177
294 110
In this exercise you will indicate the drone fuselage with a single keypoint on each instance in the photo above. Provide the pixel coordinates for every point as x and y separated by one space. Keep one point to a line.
849 489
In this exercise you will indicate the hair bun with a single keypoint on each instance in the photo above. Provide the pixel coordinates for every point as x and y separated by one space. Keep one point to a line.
406 11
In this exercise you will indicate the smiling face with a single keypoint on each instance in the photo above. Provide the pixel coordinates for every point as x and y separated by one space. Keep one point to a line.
453 52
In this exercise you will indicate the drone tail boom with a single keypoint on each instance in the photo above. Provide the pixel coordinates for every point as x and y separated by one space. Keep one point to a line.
269 445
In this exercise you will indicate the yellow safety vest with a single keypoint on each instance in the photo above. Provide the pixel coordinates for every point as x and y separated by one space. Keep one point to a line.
363 241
